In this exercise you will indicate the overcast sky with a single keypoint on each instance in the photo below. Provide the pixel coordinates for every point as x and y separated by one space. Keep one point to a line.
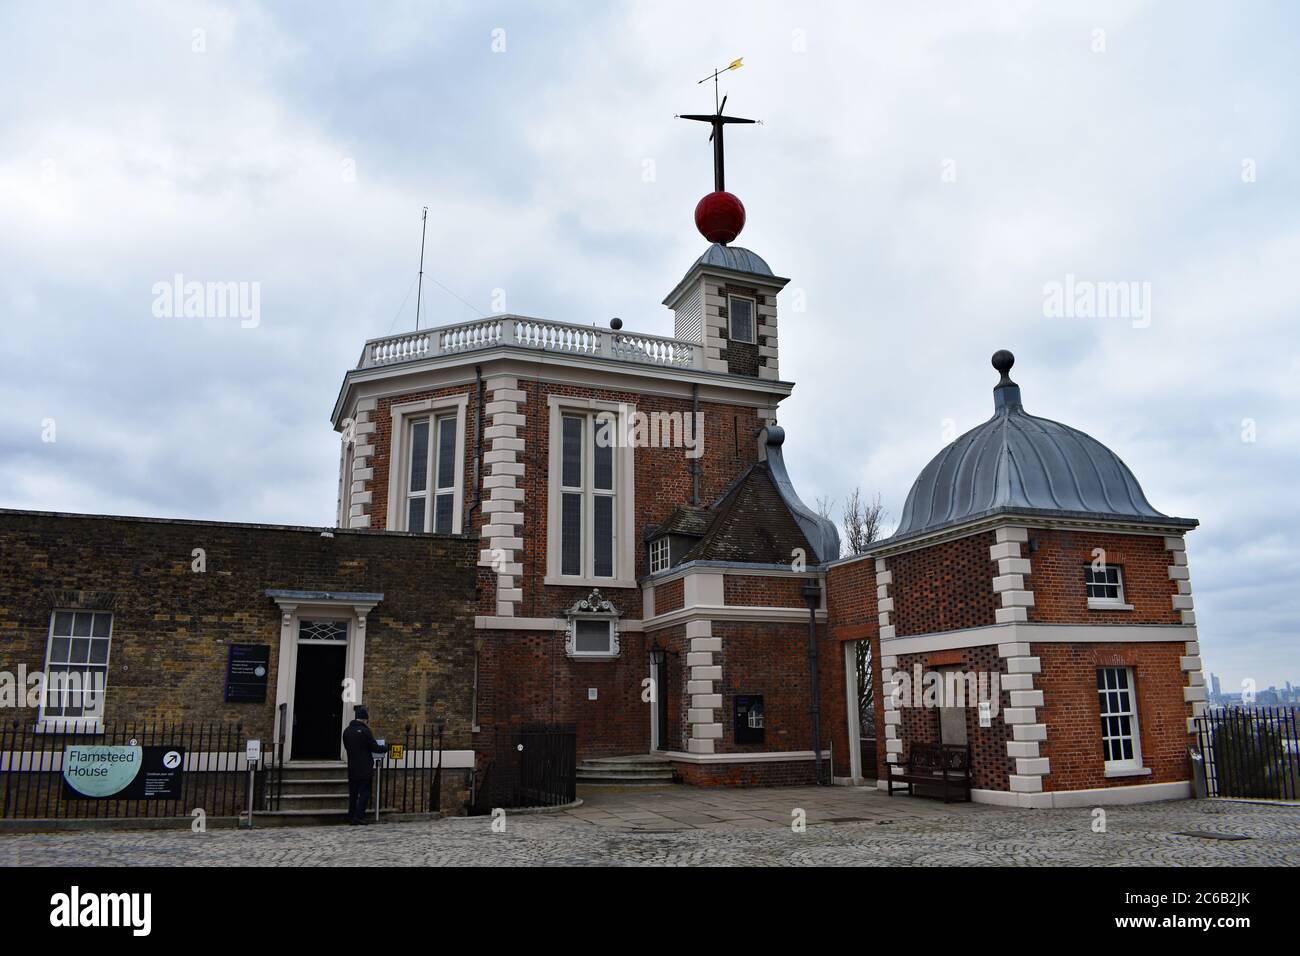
922 174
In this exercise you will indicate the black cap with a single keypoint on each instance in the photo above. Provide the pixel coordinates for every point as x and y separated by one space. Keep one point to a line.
361 712
1006 393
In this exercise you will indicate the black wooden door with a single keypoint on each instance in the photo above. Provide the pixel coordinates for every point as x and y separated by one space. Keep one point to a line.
318 702
661 701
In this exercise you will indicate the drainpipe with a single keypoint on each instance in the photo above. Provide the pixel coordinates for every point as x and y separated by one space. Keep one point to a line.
694 463
478 448
812 594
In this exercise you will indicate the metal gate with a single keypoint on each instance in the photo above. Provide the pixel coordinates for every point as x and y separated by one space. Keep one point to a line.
1251 752
535 765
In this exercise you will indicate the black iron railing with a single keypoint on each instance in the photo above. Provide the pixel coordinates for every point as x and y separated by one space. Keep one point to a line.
1251 752
271 771
412 783
530 766
213 775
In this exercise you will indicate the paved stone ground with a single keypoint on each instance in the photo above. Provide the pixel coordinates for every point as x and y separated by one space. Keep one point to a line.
683 826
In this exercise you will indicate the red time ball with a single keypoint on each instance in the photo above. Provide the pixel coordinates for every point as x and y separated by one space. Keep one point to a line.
720 216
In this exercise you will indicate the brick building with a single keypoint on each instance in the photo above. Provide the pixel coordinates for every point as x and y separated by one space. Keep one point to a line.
546 523
642 551
1028 557
149 615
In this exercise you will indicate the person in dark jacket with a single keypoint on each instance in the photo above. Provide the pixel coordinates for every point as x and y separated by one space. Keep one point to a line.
361 747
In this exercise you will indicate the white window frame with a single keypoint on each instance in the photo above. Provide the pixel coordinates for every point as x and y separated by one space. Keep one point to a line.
93 722
592 609
753 319
624 494
432 491
346 466
308 619
399 465
660 555
1131 712
611 645
1116 603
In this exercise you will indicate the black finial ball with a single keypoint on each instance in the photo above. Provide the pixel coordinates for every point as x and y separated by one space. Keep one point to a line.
1003 360
616 323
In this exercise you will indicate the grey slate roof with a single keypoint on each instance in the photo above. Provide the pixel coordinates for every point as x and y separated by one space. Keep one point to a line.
758 518
1017 462
686 520
821 532
734 258
750 523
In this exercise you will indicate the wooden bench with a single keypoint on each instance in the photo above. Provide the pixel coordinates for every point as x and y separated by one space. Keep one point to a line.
946 766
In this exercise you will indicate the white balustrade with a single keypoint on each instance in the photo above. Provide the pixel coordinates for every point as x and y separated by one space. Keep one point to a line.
539 334
469 337
397 348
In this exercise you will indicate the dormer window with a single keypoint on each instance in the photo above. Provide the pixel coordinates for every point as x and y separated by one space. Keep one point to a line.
593 629
740 316
1105 584
659 555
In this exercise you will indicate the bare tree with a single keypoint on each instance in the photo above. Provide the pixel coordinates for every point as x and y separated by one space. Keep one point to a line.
863 521
825 506
866 693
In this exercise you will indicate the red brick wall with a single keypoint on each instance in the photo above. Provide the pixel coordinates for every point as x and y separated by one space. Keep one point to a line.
525 677
1073 717
852 610
851 595
1061 597
772 660
676 645
834 698
762 591
783 773
382 440
669 596
945 587
663 481
990 765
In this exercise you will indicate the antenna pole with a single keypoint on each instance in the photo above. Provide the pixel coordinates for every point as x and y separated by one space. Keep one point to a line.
419 289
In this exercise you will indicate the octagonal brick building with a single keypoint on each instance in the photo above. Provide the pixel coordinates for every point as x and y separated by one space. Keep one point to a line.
1028 556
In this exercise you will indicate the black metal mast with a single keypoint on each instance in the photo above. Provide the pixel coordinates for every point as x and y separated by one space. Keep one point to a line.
424 220
717 120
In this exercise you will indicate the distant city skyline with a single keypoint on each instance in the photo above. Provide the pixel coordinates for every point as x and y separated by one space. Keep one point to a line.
1285 690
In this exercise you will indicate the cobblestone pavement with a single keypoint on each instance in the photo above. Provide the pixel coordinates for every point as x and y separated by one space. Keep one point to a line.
679 826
